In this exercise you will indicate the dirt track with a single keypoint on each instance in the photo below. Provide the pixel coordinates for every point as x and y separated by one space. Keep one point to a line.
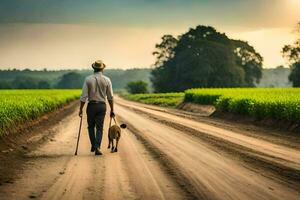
163 155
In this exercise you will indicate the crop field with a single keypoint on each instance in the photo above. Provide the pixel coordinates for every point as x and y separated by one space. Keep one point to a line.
162 99
19 106
258 103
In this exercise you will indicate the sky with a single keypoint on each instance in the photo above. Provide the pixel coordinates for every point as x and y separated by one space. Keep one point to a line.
69 34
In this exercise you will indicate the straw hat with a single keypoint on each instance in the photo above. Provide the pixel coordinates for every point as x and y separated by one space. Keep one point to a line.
98 64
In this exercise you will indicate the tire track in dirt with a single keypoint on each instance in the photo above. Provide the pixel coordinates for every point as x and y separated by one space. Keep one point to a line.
52 172
212 175
288 170
247 128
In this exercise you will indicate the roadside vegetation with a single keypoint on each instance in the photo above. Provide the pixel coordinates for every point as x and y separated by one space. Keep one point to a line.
205 58
137 87
20 106
162 99
277 103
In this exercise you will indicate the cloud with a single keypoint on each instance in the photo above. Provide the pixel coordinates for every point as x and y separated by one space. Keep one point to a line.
268 42
72 33
246 13
76 46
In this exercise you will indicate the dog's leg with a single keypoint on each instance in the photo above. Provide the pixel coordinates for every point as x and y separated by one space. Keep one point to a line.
109 141
117 142
112 145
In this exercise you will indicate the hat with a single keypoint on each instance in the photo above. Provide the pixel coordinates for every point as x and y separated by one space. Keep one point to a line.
98 65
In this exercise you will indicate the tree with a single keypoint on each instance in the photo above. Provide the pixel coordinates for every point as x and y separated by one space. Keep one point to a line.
203 57
5 85
294 76
292 54
165 50
24 82
43 85
70 80
249 60
137 87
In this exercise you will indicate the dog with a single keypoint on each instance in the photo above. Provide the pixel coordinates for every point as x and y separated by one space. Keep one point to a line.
114 133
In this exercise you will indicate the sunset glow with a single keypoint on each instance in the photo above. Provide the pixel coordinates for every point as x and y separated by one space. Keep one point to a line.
72 35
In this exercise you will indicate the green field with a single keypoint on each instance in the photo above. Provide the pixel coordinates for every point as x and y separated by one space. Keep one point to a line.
162 99
259 103
20 106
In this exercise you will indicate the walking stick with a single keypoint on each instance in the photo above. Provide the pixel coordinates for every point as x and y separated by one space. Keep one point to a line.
78 136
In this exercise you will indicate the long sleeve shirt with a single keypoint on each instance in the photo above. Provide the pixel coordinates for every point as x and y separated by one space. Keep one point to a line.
97 87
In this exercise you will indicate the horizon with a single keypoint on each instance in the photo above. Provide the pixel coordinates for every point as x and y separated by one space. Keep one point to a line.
113 68
71 35
70 69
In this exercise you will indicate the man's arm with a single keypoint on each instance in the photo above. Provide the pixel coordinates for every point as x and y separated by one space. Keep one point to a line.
83 98
81 108
111 105
110 97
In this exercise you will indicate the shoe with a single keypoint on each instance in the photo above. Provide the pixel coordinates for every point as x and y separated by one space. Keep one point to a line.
98 152
92 149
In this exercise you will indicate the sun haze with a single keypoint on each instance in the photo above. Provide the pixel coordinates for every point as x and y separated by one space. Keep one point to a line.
60 34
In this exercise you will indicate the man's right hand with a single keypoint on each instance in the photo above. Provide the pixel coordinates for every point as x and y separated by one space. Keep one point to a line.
112 114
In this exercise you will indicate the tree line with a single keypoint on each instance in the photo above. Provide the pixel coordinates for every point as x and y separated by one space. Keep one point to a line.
204 57
292 53
201 57
44 79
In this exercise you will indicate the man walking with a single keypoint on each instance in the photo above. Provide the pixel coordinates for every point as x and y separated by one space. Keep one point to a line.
96 89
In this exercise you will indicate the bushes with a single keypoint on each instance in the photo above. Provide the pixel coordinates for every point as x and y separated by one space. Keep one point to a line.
162 99
137 87
258 103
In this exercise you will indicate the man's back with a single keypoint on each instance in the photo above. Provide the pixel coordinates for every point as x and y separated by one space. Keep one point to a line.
97 87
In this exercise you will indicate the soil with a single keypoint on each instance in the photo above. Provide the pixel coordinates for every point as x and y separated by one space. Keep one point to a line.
27 137
203 110
209 110
163 154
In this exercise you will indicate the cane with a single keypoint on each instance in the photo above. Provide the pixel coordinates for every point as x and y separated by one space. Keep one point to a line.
78 136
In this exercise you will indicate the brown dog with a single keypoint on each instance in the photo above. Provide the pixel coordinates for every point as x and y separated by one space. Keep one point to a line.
114 133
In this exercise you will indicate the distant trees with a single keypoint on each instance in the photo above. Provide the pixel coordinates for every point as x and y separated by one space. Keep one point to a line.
25 82
119 77
294 77
70 80
5 85
43 85
275 77
292 54
137 87
203 57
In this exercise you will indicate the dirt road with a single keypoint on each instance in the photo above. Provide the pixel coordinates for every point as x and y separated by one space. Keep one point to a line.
165 154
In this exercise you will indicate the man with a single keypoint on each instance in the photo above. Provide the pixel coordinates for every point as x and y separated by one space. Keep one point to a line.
96 89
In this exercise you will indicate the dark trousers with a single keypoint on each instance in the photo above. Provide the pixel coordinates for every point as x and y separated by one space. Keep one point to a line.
95 117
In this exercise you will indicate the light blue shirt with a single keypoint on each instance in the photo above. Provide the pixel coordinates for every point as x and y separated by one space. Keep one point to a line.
97 87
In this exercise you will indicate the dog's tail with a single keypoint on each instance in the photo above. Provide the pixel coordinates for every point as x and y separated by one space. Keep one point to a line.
123 126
